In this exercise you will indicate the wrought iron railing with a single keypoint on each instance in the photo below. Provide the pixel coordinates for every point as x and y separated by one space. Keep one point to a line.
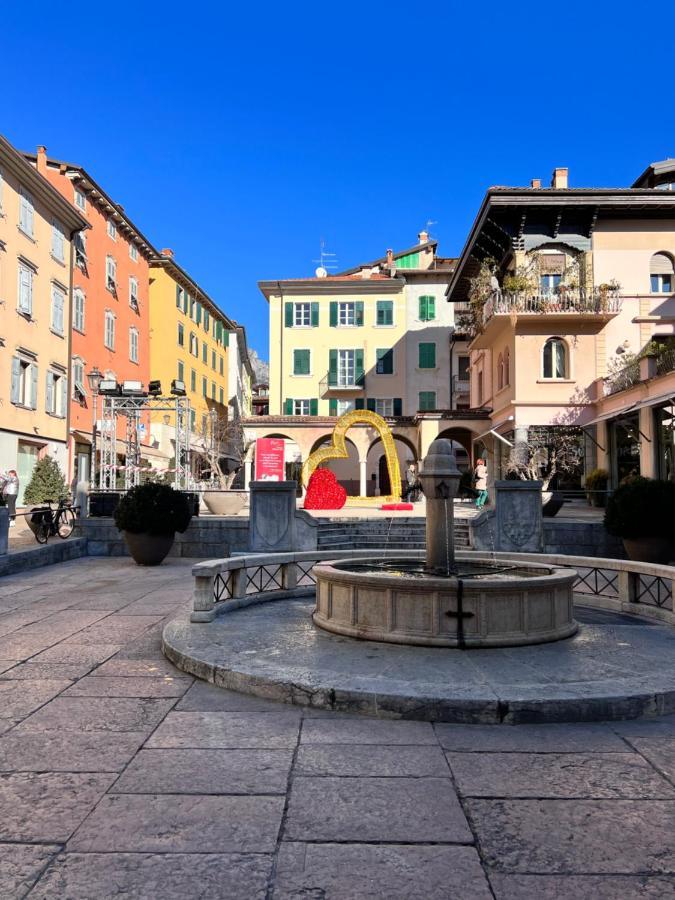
665 362
624 378
598 302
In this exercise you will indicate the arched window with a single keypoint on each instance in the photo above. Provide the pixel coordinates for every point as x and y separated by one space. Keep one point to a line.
507 367
555 358
500 372
661 273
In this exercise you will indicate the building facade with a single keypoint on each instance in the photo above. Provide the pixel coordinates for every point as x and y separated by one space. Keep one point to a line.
37 234
566 288
189 344
110 311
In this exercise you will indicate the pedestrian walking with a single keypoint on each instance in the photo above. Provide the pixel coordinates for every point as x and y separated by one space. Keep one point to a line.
10 489
480 476
412 483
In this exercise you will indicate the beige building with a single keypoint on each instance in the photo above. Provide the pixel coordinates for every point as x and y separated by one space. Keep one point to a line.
37 229
566 288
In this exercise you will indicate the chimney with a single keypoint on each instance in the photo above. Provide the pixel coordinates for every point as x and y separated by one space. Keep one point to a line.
167 252
535 183
559 179
390 257
41 162
423 237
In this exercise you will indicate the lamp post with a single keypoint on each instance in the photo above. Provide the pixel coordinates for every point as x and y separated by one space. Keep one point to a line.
94 378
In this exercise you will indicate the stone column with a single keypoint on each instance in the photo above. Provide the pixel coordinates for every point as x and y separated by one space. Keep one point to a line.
440 480
271 524
519 524
648 467
363 477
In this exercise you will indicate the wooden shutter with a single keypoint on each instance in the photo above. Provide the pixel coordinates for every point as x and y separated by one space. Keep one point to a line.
16 380
431 308
64 396
332 367
315 315
226 338
288 313
288 407
427 356
199 314
423 309
398 406
359 374
49 393
301 362
178 296
370 404
333 313
314 406
359 403
33 386
358 312
332 407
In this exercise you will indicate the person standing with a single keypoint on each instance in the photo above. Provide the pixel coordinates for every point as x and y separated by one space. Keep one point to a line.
10 489
411 483
480 475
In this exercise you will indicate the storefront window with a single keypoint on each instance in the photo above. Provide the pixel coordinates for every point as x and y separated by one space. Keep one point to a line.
625 434
664 421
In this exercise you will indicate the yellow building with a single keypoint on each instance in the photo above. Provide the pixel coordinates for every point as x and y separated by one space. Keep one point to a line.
37 227
189 339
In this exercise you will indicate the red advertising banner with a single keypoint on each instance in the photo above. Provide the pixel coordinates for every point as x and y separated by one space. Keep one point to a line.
269 459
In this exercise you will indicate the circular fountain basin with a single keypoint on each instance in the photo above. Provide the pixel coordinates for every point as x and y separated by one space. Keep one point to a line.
505 604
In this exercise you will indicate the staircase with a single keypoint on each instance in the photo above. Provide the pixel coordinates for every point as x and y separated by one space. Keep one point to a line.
390 534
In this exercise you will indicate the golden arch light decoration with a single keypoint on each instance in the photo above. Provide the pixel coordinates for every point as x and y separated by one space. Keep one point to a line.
338 450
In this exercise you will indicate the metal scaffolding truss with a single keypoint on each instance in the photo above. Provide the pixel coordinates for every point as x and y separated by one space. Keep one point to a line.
132 408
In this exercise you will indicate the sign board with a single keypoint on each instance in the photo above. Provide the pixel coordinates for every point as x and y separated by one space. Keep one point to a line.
269 459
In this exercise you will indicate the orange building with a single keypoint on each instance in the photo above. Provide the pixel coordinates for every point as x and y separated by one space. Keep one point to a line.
110 308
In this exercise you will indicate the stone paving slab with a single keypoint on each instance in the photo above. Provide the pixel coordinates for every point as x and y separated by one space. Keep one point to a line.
366 731
206 772
150 823
137 668
74 653
569 738
47 807
659 751
576 836
20 867
621 775
98 714
410 810
580 887
39 671
147 876
203 697
354 760
394 872
210 730
67 751
129 686
20 698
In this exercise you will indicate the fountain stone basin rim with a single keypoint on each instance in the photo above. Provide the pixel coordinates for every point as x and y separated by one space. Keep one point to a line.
531 605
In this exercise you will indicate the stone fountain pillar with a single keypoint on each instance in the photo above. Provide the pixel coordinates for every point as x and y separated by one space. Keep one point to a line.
440 481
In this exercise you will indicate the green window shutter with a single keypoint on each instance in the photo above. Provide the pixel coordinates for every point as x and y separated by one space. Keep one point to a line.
288 407
226 338
332 406
333 313
199 314
315 315
301 362
359 373
424 309
431 304
219 331
314 407
180 371
370 404
427 400
288 308
385 312
398 406
178 297
359 403
206 320
332 367
358 312
427 356
427 308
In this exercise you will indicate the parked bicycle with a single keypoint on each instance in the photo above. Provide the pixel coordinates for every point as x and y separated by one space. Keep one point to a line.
46 522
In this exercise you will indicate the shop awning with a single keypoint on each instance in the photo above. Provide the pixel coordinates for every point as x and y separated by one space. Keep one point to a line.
153 453
617 414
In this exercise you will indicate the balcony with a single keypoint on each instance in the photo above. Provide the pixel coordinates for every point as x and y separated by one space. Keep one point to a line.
460 386
641 369
601 304
333 381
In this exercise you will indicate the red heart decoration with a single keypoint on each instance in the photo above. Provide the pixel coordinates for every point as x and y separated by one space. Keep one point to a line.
324 492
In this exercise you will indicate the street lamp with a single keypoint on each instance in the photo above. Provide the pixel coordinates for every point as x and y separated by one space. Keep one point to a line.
94 378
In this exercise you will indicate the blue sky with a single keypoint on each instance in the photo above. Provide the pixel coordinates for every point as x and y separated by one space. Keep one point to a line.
241 134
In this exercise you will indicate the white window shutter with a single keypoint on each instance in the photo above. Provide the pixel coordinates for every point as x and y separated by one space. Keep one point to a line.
49 394
15 396
64 396
33 386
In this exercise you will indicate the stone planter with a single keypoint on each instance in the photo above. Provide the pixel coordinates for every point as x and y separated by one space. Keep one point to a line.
225 503
650 549
148 549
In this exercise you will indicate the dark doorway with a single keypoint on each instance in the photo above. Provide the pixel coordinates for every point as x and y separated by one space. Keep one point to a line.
383 477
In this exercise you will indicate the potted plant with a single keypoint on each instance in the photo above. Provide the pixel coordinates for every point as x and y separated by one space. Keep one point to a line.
222 445
596 485
549 451
642 513
149 517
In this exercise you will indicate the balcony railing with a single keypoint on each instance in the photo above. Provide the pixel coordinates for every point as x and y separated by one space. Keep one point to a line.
630 374
333 381
570 302
665 362
461 385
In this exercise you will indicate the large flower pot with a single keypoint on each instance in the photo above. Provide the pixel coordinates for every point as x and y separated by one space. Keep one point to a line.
225 503
148 549
650 549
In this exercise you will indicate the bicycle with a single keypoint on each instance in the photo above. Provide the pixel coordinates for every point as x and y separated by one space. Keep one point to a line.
60 521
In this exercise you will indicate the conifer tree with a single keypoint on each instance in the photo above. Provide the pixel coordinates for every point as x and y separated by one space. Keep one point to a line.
47 482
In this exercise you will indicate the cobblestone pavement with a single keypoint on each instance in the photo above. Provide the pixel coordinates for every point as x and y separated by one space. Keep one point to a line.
120 777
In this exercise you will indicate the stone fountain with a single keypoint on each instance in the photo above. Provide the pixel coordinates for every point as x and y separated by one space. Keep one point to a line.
448 600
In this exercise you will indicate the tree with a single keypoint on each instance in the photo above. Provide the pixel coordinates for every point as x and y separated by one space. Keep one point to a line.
548 451
221 445
47 482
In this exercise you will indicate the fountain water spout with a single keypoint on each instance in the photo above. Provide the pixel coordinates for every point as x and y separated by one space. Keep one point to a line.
440 482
